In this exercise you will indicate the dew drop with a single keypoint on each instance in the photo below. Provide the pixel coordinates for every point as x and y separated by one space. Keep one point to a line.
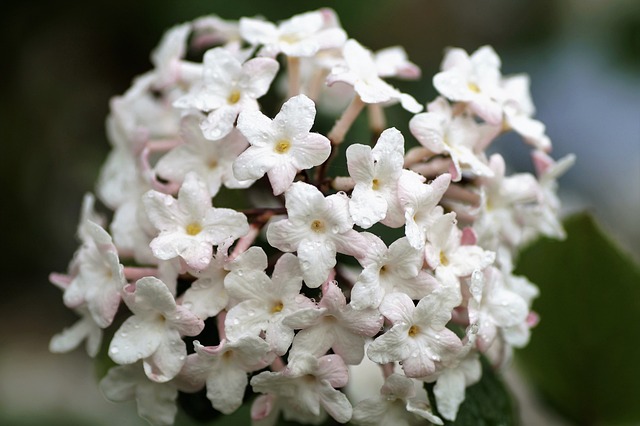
123 334
114 350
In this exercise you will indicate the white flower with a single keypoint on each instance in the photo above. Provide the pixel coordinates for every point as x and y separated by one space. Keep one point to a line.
376 172
334 325
518 111
302 35
153 333
264 303
359 70
452 382
317 227
393 62
228 87
190 226
155 401
474 79
211 160
388 270
452 260
224 369
402 402
308 385
420 204
458 136
498 308
207 295
281 147
418 337
100 276
84 329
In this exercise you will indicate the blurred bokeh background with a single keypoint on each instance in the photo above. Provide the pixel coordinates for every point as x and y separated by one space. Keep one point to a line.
62 61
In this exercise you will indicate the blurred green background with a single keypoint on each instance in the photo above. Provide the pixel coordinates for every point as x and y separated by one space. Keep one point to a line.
62 61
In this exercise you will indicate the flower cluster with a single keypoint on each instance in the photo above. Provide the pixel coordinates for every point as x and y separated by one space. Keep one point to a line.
250 263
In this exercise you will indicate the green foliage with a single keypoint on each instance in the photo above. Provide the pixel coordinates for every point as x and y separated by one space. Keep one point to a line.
583 357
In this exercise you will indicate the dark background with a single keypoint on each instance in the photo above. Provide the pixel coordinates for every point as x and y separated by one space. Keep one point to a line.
62 61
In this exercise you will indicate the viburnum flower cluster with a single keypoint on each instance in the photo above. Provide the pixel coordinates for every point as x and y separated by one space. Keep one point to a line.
235 254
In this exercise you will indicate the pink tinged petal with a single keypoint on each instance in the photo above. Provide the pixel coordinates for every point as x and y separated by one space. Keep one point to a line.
335 403
134 340
167 361
487 109
281 176
185 322
317 258
225 388
262 409
257 75
420 362
351 243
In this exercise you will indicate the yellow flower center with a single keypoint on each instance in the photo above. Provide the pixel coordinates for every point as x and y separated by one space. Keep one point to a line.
473 87
444 261
277 308
317 226
213 164
234 97
375 184
282 146
193 228
413 331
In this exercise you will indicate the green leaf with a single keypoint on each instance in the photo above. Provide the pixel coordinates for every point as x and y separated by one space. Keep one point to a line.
486 403
584 356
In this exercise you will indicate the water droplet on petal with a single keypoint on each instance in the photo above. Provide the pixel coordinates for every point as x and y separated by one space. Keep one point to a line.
114 350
